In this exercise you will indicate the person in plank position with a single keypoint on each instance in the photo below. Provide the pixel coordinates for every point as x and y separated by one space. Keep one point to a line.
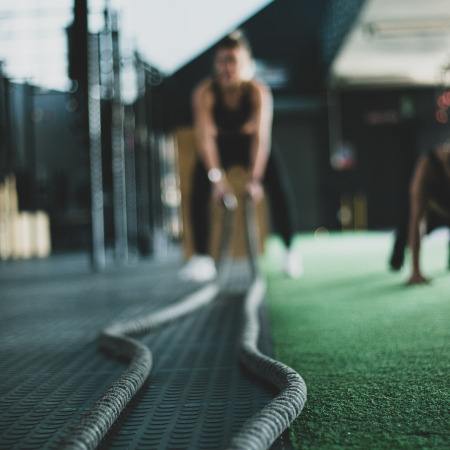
429 207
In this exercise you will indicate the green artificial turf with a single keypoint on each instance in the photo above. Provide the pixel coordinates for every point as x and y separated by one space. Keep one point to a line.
373 352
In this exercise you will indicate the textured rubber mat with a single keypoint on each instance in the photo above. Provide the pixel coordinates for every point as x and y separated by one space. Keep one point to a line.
52 372
195 398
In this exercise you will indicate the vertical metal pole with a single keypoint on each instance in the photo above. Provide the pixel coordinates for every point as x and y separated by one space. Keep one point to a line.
158 172
118 156
130 180
153 161
95 143
5 160
30 144
143 202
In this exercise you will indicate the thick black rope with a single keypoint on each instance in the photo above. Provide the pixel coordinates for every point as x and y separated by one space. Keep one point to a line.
261 430
93 426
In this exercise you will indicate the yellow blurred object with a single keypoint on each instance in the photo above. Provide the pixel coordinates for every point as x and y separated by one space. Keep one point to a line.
22 234
237 177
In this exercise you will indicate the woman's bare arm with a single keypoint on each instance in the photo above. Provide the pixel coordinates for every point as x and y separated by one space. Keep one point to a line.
418 207
262 129
204 126
205 133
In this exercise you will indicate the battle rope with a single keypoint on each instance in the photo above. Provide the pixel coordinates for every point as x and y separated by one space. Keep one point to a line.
93 426
261 430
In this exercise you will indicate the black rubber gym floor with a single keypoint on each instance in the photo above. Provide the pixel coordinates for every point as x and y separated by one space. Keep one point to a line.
52 371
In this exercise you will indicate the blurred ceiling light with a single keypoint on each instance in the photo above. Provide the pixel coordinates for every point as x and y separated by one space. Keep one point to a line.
410 27
396 43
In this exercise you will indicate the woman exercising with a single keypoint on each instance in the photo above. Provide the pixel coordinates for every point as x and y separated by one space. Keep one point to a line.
429 202
233 123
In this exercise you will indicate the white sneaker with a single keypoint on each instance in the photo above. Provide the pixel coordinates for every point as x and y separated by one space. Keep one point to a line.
199 268
293 266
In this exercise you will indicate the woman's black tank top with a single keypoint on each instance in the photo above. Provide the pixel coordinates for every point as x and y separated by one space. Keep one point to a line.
233 145
230 121
440 187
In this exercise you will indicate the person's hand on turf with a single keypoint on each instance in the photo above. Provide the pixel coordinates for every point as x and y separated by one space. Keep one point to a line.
417 278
